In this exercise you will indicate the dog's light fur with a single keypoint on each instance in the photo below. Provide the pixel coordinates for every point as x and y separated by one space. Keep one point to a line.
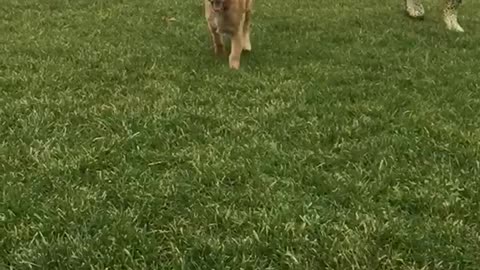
233 20
415 9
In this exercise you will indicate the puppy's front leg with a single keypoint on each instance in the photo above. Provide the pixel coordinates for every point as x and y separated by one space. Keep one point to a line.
237 47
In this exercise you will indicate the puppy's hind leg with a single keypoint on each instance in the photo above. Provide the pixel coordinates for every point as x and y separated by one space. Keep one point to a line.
218 46
450 15
414 8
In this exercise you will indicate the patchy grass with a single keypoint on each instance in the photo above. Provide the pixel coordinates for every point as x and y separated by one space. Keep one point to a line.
349 139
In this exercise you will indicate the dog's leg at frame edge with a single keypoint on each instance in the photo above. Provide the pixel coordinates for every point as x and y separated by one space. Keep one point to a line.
414 8
450 16
247 45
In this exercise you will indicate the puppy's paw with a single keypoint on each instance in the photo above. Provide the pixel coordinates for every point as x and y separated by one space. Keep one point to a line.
235 64
452 22
247 46
455 27
414 9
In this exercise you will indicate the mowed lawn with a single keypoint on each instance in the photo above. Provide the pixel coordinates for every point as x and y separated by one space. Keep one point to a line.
349 139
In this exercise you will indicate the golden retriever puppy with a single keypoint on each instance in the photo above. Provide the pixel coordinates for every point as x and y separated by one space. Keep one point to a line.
230 18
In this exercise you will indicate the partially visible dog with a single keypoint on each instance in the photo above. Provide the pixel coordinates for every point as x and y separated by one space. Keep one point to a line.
230 18
415 9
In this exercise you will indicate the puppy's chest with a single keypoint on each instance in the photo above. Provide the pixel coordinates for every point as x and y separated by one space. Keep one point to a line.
225 24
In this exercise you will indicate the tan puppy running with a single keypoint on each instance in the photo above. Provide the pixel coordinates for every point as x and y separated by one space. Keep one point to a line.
230 18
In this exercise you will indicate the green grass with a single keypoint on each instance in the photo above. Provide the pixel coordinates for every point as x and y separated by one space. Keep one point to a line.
349 139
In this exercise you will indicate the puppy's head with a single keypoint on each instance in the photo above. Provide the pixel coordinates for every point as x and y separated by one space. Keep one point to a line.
219 5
